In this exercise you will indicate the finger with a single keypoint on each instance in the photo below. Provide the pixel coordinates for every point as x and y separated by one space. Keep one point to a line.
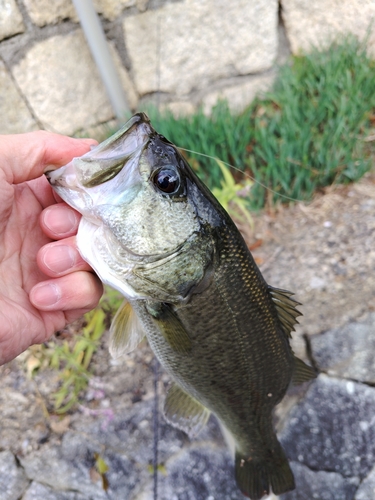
59 221
74 314
80 290
28 156
60 258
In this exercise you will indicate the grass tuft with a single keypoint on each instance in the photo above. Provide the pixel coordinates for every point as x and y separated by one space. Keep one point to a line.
307 133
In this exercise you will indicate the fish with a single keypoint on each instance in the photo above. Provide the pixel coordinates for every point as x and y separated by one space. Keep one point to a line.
151 229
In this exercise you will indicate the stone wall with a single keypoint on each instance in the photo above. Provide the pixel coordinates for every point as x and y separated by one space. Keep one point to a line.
180 53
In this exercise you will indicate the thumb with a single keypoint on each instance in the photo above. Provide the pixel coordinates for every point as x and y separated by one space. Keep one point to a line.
27 156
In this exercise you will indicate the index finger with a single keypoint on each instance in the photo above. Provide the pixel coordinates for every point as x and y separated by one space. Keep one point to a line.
27 156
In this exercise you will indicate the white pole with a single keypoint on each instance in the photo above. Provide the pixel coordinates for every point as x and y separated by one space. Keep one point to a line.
98 44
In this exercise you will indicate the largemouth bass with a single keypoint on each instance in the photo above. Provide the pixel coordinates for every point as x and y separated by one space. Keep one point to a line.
152 230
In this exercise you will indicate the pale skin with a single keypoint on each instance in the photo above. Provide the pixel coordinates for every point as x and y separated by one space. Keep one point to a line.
44 283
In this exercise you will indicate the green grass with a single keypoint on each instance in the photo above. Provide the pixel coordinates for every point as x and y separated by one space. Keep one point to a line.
305 134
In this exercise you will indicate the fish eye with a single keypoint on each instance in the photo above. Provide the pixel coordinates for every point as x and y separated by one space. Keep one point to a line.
167 180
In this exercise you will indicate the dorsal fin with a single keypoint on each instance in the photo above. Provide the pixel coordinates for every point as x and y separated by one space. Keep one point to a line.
286 308
125 332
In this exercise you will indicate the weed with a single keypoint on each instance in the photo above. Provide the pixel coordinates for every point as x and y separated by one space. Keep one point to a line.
305 134
231 195
72 357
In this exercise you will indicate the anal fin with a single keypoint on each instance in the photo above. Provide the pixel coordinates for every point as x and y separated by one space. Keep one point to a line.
183 411
302 372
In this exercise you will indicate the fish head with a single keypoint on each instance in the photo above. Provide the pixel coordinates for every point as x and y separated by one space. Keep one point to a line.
139 199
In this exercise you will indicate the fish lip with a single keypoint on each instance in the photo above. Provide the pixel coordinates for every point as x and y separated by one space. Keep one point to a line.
60 178
137 127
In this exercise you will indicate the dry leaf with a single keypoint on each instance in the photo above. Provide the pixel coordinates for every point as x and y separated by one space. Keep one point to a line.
60 426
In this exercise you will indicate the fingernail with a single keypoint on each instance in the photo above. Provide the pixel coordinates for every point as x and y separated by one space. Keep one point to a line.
46 295
59 258
89 142
58 224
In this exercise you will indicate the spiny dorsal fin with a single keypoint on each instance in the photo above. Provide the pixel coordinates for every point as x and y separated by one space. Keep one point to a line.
125 332
185 412
170 327
302 372
286 308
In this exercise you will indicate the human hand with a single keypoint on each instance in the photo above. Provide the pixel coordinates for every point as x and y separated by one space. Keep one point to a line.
44 285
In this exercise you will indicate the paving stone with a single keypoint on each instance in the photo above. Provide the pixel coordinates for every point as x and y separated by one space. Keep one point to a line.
203 472
317 23
44 12
70 467
126 444
23 421
131 433
11 22
127 84
179 108
38 491
15 116
320 485
111 9
200 41
240 94
62 84
347 352
333 428
13 480
366 491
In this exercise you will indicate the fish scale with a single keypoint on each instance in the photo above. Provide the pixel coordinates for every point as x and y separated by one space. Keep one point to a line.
153 230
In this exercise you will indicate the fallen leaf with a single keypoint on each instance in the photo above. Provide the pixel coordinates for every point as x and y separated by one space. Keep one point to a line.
255 245
60 426
32 363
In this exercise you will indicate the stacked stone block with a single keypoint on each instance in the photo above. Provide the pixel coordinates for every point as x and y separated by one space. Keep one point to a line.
179 53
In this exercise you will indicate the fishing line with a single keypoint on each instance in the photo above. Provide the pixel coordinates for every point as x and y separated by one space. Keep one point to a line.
155 362
242 172
156 428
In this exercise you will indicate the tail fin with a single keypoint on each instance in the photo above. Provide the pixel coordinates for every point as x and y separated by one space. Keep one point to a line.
255 478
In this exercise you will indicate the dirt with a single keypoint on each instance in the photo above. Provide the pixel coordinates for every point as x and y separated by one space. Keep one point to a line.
324 252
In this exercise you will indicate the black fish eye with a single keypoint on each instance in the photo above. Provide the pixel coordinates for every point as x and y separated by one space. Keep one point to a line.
167 180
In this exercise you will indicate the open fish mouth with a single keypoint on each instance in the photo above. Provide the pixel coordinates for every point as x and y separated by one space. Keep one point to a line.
76 181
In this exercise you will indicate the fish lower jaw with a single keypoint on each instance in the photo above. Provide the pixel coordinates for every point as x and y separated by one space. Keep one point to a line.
93 249
107 276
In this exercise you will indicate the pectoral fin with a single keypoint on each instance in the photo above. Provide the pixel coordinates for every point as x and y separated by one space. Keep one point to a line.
125 332
185 412
170 327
